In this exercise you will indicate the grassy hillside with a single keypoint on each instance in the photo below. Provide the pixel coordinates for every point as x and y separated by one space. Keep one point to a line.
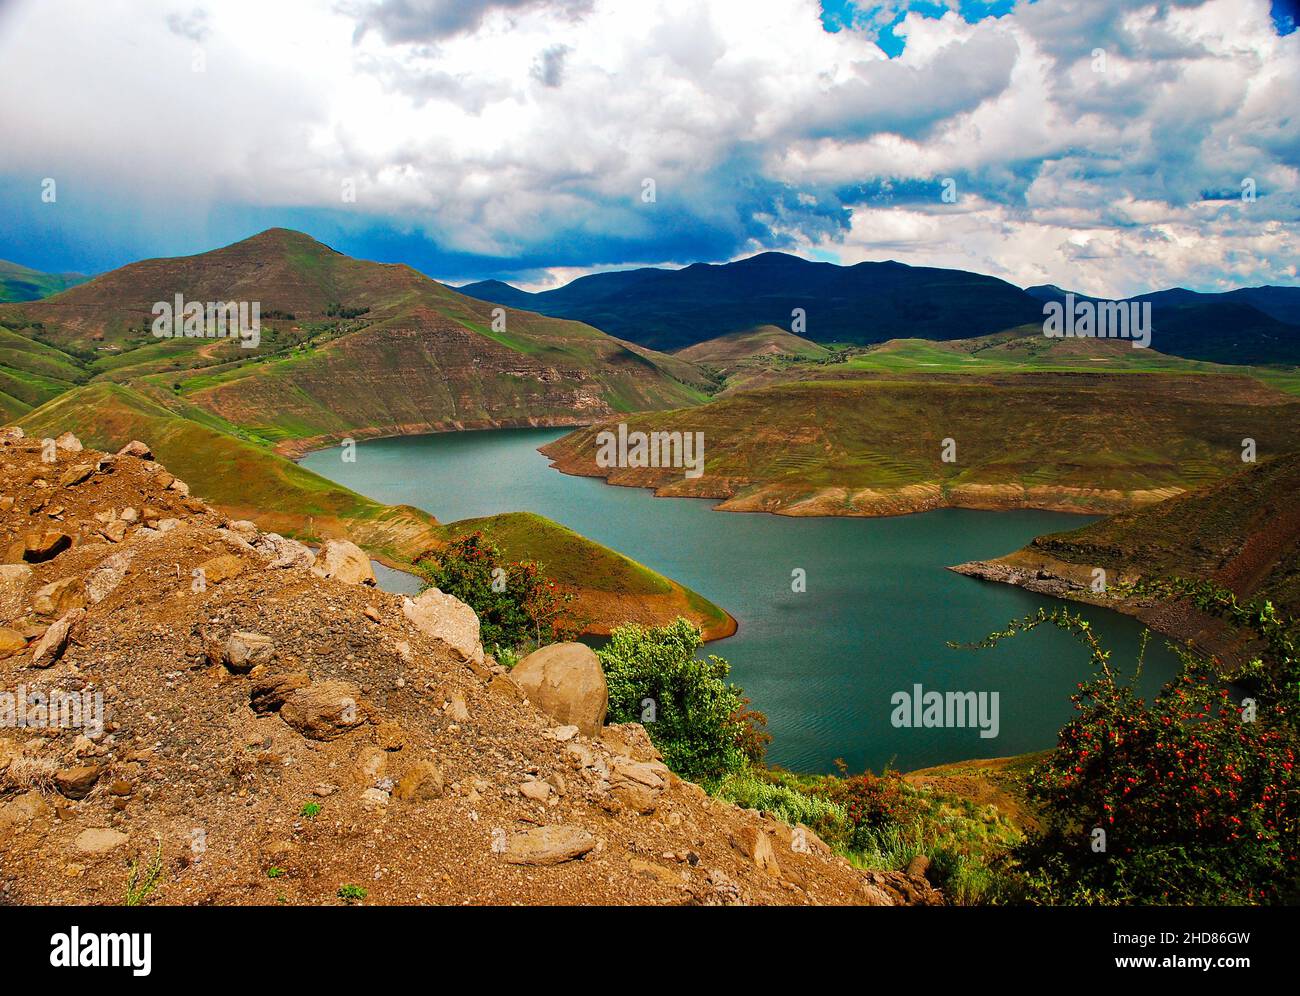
741 354
247 480
1243 532
348 347
610 585
874 445
20 283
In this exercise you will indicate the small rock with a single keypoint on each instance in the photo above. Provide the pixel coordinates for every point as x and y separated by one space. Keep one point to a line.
99 840
324 711
549 845
422 782
76 783
67 441
537 791
136 448
55 641
244 651
75 474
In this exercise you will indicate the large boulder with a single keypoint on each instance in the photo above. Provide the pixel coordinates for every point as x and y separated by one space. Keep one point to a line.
565 681
448 619
344 561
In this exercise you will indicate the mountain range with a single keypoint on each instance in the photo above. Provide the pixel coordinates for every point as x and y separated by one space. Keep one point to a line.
874 302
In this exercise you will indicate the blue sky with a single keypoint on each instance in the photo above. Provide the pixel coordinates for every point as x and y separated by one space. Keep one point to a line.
1101 144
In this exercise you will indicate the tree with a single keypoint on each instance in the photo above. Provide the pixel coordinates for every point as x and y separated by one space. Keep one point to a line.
700 723
516 603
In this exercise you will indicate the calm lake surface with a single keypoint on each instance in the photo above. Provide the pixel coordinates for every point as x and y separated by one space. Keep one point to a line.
823 664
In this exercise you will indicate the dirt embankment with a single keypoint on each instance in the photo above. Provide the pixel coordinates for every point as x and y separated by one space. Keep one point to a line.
267 732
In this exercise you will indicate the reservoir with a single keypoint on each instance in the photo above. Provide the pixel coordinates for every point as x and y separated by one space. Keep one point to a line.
823 664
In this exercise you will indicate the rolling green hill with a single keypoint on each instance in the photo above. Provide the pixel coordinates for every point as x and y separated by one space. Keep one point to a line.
20 283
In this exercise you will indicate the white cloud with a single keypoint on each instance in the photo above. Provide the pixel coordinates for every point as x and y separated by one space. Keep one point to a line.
517 127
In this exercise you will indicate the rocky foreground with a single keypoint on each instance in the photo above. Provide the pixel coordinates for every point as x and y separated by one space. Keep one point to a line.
276 730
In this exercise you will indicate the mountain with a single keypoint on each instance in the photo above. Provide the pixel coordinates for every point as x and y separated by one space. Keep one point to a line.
20 283
1252 325
864 303
874 302
759 348
347 347
1242 532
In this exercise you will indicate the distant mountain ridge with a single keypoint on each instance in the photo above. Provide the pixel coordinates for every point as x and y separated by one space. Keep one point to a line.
869 303
22 283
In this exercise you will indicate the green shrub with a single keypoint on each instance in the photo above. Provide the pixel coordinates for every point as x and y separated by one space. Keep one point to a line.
700 723
1198 805
516 603
753 789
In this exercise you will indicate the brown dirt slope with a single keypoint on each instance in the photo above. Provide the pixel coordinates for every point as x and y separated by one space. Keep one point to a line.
381 767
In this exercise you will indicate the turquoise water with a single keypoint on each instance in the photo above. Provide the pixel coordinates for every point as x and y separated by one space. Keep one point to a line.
822 664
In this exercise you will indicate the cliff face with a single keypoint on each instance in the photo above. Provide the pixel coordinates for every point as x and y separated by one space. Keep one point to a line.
250 727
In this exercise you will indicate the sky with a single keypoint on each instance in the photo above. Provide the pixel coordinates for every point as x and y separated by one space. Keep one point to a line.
1110 146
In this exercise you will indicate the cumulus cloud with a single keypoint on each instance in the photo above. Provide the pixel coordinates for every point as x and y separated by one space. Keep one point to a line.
1100 144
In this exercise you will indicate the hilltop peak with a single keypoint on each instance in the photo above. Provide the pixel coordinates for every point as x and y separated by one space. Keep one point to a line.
283 238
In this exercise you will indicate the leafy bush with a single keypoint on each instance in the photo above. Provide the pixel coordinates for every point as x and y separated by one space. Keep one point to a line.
516 603
873 803
700 723
1199 801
